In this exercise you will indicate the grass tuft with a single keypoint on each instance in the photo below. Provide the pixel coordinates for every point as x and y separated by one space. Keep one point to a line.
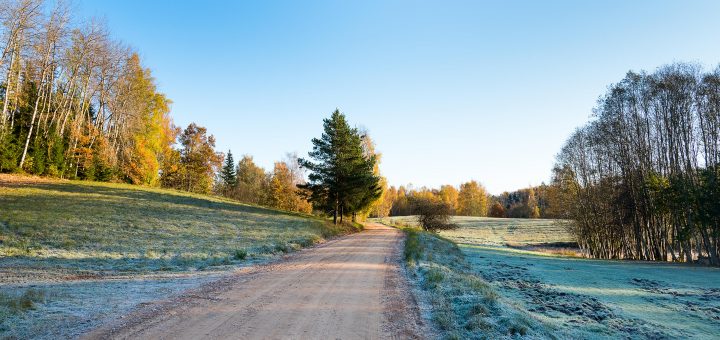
240 254
13 304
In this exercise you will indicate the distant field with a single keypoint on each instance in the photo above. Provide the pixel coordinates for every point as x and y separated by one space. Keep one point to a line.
583 298
61 240
503 231
499 231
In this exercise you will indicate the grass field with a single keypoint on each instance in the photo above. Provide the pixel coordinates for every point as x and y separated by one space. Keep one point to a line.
75 245
572 297
499 231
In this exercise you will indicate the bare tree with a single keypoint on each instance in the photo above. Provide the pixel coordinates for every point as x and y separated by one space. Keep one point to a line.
640 181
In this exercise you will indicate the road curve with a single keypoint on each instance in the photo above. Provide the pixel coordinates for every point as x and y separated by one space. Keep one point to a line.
348 288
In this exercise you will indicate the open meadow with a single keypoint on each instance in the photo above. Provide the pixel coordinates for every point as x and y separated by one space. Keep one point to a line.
578 297
72 253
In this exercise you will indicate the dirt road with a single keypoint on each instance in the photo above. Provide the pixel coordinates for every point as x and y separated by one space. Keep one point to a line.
348 288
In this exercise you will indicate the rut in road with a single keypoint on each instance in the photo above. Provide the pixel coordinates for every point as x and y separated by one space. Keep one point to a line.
349 288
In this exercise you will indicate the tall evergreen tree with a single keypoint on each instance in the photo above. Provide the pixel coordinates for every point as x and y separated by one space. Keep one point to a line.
228 176
341 180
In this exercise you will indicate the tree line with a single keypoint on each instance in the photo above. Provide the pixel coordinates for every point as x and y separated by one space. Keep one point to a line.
470 199
249 183
343 177
76 103
641 180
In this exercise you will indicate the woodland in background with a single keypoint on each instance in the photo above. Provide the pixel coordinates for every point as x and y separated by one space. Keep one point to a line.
249 183
75 103
641 180
78 105
344 178
471 199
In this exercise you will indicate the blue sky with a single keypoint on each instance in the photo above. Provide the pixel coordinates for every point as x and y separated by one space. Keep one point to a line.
449 90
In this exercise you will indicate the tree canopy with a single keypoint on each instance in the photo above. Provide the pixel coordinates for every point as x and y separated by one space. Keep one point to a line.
342 180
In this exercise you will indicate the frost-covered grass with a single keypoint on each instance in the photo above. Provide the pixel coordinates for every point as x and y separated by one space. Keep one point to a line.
590 298
578 298
504 231
19 301
462 304
72 253
498 231
64 310
605 298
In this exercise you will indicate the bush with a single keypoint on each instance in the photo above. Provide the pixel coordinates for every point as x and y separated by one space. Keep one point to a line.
433 215
240 254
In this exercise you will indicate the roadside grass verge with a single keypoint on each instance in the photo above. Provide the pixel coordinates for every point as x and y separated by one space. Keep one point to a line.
462 304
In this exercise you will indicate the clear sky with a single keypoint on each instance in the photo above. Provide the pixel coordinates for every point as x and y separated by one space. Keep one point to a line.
449 90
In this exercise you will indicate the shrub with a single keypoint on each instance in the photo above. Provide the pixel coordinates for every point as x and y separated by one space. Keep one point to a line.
240 254
433 215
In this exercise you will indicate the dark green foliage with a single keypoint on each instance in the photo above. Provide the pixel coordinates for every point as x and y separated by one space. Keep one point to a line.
341 180
38 156
228 176
9 152
413 246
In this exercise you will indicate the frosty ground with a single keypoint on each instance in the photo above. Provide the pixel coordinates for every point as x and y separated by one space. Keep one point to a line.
583 298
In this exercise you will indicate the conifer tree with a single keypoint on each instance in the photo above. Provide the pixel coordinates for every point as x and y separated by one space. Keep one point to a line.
341 180
228 176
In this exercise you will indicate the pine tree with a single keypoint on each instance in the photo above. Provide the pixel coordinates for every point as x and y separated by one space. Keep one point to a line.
228 176
341 180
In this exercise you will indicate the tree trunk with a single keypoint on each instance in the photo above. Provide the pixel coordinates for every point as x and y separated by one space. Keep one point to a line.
335 213
32 125
7 89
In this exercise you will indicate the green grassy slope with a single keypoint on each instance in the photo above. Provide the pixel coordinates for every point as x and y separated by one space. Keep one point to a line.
117 227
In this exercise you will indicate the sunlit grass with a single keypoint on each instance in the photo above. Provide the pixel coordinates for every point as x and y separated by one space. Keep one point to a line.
108 226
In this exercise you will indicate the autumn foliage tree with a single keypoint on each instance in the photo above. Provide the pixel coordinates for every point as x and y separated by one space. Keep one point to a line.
496 210
198 161
472 199
75 103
